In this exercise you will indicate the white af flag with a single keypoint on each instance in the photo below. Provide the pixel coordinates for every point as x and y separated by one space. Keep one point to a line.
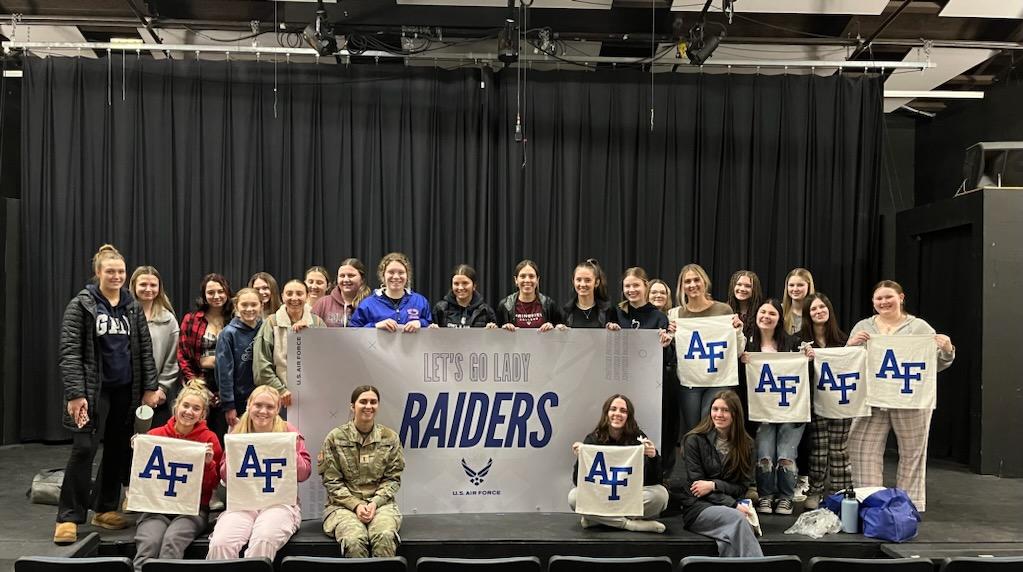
166 475
610 480
708 351
261 470
776 384
841 377
902 372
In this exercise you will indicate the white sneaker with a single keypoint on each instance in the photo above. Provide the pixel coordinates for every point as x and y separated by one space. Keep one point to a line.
586 523
644 525
801 488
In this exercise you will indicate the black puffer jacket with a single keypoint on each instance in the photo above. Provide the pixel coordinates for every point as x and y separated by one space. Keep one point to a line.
704 463
80 355
449 314
506 309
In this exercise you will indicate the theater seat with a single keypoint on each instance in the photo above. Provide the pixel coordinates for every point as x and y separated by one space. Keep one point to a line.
982 564
762 564
55 564
321 564
239 565
515 564
587 564
824 564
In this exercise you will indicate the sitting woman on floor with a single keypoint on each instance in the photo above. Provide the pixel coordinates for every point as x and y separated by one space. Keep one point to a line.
718 457
361 464
618 427
168 535
266 530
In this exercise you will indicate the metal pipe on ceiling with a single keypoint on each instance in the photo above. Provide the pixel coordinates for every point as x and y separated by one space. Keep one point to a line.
884 26
466 56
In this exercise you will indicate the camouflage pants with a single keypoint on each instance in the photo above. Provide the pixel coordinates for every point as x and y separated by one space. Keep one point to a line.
358 540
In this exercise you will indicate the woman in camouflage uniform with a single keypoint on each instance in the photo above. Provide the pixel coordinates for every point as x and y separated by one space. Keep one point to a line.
361 464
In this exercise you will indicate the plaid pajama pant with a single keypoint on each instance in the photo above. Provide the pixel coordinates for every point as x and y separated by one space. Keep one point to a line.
866 448
829 455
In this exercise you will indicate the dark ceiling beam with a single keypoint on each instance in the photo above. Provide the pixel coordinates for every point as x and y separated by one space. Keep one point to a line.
146 21
880 30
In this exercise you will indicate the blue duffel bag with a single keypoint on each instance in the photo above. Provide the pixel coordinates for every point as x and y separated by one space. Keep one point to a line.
889 515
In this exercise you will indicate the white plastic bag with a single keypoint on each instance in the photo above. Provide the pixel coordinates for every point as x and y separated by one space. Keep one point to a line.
816 523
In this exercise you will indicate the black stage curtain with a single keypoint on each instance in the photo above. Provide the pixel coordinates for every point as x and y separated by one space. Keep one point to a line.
196 167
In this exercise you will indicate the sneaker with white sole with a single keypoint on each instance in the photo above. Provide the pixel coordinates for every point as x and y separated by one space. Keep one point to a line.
812 502
765 505
802 486
586 523
784 506
644 525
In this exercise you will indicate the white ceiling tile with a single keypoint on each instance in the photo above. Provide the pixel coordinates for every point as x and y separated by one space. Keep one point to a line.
950 62
26 33
865 7
983 9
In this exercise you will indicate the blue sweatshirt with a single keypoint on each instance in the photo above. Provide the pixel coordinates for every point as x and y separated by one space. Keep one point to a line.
379 307
113 331
234 364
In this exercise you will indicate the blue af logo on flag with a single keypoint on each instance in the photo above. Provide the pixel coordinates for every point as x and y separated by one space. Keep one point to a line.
157 468
709 351
830 382
906 372
613 476
252 467
777 384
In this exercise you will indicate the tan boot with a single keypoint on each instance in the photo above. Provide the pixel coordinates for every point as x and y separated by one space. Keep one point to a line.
111 520
65 533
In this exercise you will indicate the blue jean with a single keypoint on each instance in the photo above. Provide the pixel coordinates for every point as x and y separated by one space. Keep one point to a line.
694 403
777 445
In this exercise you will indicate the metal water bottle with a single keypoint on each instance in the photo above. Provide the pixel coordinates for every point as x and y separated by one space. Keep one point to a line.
850 512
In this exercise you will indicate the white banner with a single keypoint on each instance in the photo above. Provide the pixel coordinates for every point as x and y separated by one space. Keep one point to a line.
776 384
708 351
487 418
261 470
841 376
610 481
902 372
166 475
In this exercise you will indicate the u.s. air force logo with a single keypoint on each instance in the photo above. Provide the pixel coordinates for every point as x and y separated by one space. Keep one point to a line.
476 477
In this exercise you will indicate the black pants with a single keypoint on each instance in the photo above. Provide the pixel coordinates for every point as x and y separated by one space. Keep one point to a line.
111 422
670 423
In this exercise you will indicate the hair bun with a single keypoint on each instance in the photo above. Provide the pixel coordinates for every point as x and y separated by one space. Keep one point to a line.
196 383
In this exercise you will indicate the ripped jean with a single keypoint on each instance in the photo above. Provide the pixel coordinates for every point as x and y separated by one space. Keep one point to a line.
776 446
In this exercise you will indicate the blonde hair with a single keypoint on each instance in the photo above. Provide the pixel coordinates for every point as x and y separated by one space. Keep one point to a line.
245 422
162 300
105 252
238 296
786 300
196 387
400 259
680 294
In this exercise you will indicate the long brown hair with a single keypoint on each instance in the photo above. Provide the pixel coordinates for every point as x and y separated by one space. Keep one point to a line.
162 301
364 289
786 300
833 335
631 430
275 291
739 461
755 299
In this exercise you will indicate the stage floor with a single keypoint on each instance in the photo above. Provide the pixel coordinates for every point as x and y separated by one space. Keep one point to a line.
964 510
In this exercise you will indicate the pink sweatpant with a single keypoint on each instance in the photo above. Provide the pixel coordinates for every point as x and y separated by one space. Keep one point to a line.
265 531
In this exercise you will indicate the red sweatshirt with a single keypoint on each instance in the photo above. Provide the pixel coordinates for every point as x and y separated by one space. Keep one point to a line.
200 434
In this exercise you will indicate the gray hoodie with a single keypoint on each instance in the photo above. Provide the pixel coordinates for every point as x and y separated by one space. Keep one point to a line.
163 329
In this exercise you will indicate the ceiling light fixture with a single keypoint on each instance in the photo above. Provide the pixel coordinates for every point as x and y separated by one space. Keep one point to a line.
319 34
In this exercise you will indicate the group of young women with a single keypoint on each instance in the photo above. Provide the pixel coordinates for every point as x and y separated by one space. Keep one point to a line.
225 369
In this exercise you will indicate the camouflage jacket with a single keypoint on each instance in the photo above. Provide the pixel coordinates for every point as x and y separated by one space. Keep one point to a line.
357 471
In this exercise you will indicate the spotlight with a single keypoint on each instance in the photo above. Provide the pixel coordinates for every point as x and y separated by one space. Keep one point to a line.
320 33
508 43
702 44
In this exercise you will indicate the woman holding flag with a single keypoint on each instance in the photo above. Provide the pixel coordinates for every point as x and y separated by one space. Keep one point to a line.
617 427
776 443
168 535
868 435
265 531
